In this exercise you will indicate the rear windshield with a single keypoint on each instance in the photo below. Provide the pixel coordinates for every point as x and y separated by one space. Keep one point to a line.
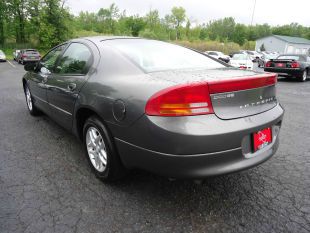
31 51
152 55
240 57
291 57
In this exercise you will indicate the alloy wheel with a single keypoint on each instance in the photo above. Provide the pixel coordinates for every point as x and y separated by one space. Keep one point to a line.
28 99
304 76
96 149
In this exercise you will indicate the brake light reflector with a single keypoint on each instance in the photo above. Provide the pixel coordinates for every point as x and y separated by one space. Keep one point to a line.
268 64
182 100
242 83
295 65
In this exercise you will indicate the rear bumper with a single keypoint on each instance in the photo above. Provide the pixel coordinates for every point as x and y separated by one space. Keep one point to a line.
293 72
211 163
31 60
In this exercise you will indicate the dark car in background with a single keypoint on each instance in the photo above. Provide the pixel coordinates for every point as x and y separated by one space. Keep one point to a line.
151 105
28 55
218 55
266 57
294 65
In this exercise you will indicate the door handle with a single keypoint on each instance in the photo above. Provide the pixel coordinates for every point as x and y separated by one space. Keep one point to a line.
71 86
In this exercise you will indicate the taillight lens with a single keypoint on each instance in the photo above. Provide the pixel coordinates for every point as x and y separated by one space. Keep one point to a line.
295 65
182 100
24 55
268 64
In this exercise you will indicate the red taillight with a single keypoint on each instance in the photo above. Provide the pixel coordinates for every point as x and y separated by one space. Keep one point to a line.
24 55
242 83
295 65
182 100
268 64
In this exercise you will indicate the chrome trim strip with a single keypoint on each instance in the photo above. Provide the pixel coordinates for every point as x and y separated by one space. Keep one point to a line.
60 109
36 97
52 105
212 153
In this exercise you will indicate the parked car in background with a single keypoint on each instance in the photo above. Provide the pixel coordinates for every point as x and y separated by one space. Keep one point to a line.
242 61
2 56
16 54
218 55
152 105
254 56
236 52
265 58
295 65
28 55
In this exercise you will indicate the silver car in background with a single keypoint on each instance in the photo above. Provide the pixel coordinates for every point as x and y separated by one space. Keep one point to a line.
2 56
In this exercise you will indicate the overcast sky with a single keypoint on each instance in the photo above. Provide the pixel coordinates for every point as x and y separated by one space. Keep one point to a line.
267 11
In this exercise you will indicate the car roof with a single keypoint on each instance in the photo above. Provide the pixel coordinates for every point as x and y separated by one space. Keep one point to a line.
291 54
98 39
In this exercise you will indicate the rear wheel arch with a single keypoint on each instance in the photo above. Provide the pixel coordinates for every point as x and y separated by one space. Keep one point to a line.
24 83
81 116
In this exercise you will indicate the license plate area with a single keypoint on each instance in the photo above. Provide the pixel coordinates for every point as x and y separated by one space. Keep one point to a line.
262 139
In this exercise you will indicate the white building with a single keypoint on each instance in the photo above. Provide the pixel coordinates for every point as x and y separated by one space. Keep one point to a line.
284 44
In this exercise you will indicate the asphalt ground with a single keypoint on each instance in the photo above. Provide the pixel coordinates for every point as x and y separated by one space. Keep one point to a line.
46 184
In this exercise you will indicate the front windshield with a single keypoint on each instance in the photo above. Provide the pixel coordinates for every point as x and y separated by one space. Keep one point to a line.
152 55
240 57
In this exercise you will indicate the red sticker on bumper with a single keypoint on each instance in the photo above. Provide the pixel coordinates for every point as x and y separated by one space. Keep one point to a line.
262 138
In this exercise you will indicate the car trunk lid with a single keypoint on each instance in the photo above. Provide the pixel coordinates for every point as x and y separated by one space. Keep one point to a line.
241 97
234 93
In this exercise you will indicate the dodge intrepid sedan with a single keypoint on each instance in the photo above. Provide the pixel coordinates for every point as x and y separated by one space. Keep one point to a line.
146 104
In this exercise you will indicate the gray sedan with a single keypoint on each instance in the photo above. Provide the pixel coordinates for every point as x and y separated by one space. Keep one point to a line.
151 105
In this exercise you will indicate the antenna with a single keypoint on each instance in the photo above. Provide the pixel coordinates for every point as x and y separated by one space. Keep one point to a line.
253 12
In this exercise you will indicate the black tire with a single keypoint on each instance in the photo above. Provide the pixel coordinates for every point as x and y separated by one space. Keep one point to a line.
114 169
33 110
303 76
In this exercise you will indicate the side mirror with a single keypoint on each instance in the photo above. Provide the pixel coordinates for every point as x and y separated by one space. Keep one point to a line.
30 66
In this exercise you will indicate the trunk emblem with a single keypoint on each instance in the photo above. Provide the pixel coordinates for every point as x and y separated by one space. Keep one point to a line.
262 101
224 96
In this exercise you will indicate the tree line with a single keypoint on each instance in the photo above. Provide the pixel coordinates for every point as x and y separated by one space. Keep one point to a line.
45 23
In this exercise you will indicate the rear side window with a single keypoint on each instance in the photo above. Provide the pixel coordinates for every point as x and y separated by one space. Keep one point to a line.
75 60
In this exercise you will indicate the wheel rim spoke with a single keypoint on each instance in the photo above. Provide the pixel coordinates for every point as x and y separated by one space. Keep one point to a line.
28 99
96 149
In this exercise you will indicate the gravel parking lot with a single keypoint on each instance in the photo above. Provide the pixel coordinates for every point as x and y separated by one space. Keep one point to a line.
46 184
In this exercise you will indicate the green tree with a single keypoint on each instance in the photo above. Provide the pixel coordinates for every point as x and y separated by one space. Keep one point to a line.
135 24
54 20
178 17
2 21
109 16
239 34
